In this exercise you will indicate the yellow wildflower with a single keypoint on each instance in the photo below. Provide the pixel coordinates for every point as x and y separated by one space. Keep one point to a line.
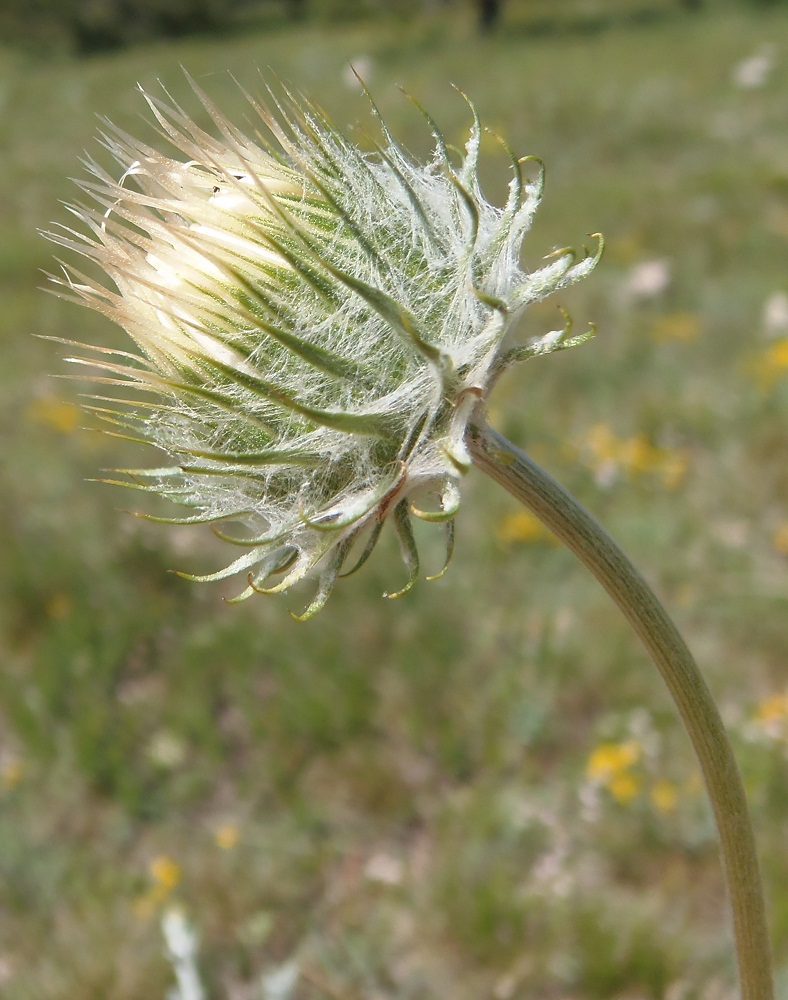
611 765
611 759
773 708
226 837
778 355
11 773
607 454
521 526
664 795
772 363
673 468
771 715
602 443
624 786
637 454
164 872
54 414
780 538
683 326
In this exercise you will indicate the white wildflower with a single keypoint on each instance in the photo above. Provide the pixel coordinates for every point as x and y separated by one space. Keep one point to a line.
315 325
649 279
181 943
280 982
384 868
754 71
775 315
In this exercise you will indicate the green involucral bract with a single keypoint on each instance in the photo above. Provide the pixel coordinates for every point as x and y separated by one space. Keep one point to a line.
315 325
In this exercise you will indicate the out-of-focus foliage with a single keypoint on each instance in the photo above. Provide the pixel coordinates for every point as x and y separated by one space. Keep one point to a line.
86 26
94 25
105 24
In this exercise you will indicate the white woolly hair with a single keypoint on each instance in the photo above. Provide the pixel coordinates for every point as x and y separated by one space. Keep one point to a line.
315 326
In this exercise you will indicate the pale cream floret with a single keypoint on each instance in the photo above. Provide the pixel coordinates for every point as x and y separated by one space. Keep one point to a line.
180 271
178 329
238 246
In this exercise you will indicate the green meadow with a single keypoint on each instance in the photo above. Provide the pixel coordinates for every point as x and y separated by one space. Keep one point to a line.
480 790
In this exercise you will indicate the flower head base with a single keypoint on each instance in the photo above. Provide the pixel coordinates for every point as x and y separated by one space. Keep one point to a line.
316 325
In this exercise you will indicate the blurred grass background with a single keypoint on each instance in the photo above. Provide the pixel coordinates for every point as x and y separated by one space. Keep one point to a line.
480 790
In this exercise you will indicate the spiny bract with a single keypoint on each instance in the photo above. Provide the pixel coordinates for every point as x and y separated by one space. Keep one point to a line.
316 325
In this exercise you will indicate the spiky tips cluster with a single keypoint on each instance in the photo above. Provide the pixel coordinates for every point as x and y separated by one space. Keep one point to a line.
314 324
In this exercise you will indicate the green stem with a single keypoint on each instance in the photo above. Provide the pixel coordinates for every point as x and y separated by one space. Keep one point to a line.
578 530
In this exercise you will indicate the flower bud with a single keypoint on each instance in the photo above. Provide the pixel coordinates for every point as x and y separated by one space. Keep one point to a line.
315 325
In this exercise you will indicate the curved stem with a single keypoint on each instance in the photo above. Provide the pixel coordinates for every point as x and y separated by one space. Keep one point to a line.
578 530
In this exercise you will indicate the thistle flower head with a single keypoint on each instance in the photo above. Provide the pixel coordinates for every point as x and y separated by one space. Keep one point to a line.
314 325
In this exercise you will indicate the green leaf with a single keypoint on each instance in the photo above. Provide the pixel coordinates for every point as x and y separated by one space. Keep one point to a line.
407 545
